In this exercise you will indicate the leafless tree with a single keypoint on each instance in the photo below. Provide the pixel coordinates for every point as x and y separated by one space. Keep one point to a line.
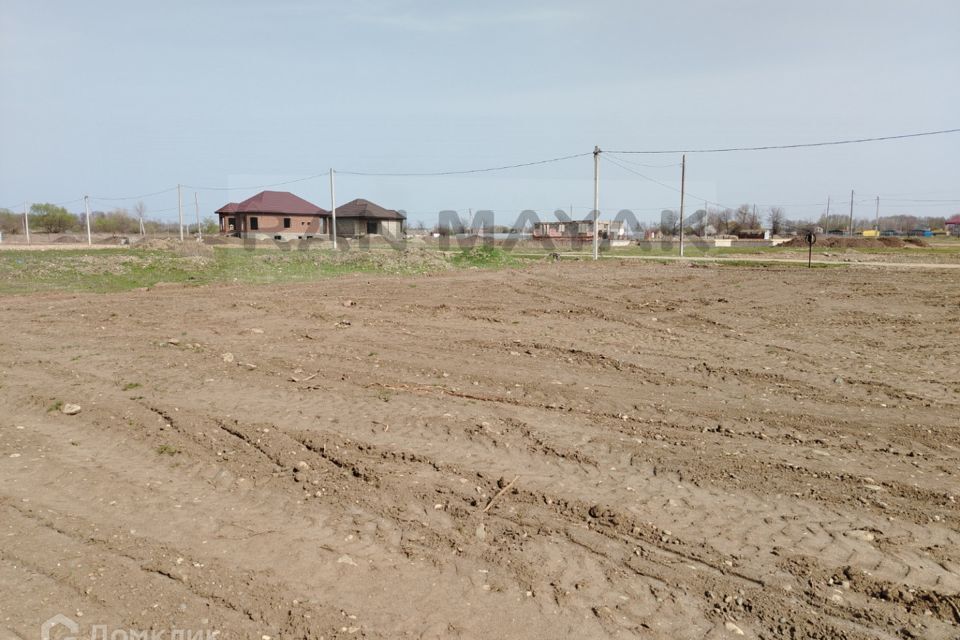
140 209
720 220
746 217
669 220
776 217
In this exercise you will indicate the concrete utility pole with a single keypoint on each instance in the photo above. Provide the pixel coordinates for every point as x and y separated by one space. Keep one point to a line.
333 208
26 222
878 214
196 205
828 207
180 210
596 202
86 206
851 213
683 184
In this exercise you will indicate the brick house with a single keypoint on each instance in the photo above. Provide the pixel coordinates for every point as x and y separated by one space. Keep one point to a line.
277 215
578 229
361 217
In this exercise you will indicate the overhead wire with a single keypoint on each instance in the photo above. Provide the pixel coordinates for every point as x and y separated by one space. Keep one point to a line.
261 186
143 195
465 171
664 184
771 147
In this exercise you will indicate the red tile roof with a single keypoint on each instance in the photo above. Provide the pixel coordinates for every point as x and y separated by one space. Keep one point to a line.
954 220
361 208
230 207
274 202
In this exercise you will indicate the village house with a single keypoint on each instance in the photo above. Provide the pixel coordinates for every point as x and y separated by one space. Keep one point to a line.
578 229
280 215
360 217
277 215
953 226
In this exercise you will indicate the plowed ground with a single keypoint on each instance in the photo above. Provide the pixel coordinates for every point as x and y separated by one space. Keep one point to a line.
569 450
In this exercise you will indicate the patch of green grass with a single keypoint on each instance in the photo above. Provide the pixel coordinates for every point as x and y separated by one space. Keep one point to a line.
131 385
56 406
167 450
110 270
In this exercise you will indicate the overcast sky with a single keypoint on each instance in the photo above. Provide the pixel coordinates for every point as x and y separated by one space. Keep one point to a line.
116 99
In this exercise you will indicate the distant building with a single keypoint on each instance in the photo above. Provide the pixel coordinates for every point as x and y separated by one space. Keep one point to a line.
953 225
277 215
578 229
361 217
280 215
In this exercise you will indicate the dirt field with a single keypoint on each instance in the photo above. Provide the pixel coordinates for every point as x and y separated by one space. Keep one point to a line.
570 450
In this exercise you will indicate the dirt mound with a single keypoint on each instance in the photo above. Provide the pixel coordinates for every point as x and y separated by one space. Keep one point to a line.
67 240
835 242
156 244
186 249
399 261
221 240
114 240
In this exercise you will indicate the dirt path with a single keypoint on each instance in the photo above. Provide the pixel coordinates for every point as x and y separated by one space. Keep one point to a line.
571 450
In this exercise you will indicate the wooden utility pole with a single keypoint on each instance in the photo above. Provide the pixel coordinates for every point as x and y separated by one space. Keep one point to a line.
333 209
683 185
26 222
596 203
196 205
878 214
851 214
180 210
86 206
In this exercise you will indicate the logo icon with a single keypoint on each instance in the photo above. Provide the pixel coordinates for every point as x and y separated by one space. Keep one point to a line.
58 619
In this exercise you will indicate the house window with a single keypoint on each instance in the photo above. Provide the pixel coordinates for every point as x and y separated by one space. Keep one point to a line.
254 223
286 223
371 226
231 222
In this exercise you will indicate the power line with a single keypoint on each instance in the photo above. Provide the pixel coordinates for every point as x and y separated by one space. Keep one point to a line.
143 195
647 166
66 202
664 184
466 171
945 201
796 146
260 186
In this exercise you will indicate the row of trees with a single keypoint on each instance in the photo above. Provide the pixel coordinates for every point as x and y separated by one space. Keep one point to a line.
704 222
50 218
747 218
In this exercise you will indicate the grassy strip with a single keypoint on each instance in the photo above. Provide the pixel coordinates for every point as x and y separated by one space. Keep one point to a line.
110 270
486 257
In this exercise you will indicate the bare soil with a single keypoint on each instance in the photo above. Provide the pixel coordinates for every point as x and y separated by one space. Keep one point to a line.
857 243
580 450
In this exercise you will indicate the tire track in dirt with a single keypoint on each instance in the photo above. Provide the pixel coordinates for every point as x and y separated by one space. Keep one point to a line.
655 499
